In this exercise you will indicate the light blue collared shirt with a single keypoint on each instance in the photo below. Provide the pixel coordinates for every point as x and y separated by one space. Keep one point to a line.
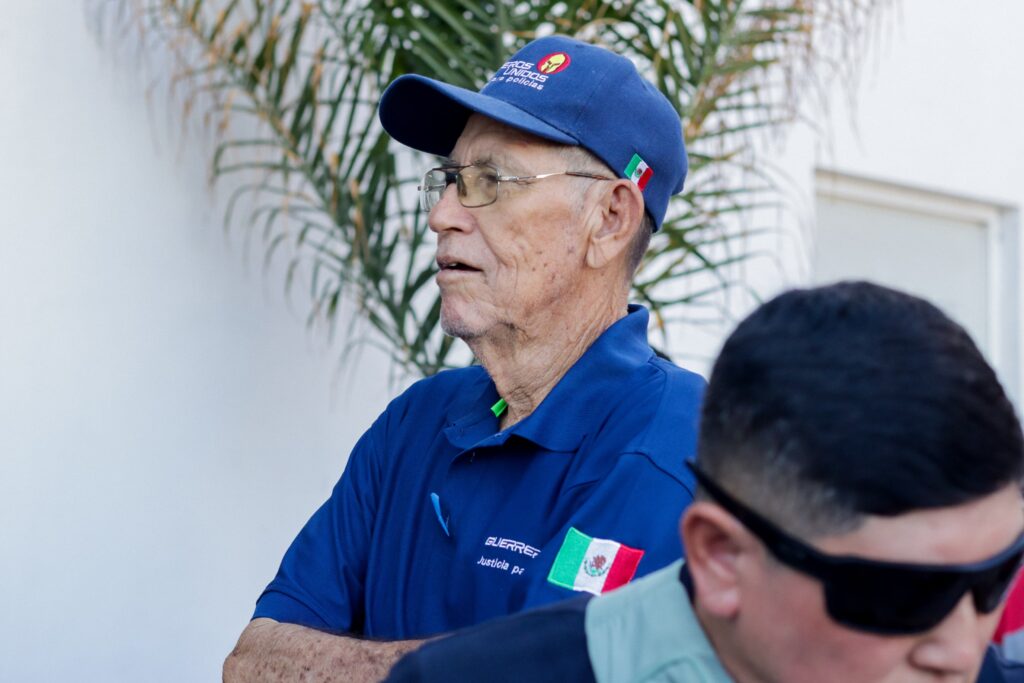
647 632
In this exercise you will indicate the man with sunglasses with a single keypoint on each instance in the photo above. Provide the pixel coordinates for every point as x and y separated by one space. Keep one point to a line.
858 519
555 465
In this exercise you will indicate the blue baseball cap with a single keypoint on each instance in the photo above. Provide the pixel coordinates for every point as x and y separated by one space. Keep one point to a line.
562 90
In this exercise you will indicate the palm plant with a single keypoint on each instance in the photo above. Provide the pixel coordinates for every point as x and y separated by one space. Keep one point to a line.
294 86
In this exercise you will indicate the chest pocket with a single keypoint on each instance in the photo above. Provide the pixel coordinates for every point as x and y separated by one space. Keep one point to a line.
499 503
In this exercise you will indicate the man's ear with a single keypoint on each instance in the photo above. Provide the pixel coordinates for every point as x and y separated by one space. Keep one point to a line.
617 217
715 543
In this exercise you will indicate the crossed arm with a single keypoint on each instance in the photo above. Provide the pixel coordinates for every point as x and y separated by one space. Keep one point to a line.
271 652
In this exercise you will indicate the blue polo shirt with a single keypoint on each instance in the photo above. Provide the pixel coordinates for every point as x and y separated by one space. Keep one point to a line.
443 520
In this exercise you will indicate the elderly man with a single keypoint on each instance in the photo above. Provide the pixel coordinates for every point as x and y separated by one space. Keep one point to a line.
556 465
858 519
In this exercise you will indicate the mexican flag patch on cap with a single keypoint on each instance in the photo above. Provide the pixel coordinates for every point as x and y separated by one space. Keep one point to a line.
638 171
595 565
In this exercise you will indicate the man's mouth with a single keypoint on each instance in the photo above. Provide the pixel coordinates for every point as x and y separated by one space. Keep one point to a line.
453 265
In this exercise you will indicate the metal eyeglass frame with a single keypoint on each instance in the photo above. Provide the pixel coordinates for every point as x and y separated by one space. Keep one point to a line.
453 174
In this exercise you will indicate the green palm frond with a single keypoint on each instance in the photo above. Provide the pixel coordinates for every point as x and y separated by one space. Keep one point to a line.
292 89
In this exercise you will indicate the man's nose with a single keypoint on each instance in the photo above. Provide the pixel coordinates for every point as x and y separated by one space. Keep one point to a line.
956 646
449 213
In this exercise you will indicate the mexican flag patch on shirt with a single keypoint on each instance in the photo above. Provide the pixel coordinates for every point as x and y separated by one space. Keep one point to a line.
594 565
638 171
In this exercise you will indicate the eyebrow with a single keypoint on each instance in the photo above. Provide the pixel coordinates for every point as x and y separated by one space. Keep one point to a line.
502 160
497 159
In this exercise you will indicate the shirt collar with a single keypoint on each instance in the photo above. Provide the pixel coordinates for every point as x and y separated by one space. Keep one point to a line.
650 625
577 404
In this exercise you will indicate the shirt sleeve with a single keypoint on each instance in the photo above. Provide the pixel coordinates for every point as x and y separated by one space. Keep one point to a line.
321 579
636 504
996 669
1009 635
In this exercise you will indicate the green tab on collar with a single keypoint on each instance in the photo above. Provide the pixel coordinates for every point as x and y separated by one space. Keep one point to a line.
499 407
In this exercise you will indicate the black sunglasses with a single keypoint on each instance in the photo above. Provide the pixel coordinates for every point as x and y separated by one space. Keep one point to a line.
890 598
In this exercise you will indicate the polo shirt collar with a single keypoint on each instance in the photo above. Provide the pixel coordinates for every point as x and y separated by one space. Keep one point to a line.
576 405
650 625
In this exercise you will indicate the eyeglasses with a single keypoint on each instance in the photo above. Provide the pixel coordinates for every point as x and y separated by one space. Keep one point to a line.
889 598
477 184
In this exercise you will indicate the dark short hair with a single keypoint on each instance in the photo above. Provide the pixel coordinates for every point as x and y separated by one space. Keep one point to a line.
832 403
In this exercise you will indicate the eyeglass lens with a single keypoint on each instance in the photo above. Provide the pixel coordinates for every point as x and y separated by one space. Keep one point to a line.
892 602
476 185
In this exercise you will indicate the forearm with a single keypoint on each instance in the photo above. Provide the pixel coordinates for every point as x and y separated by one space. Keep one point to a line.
271 652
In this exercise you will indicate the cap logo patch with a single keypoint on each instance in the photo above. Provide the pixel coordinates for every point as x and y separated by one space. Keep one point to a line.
638 172
553 63
518 72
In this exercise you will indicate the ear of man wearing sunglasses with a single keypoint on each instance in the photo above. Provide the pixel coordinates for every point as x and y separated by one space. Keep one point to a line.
858 518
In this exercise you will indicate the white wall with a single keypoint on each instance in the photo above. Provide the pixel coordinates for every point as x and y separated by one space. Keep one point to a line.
942 104
166 421
940 107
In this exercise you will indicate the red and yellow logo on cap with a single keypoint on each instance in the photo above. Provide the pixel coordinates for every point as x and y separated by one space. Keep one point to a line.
553 63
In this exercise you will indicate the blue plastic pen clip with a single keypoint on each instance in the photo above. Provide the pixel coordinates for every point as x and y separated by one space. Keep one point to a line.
436 500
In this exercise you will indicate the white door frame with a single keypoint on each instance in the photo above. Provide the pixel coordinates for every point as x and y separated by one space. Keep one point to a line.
1001 223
